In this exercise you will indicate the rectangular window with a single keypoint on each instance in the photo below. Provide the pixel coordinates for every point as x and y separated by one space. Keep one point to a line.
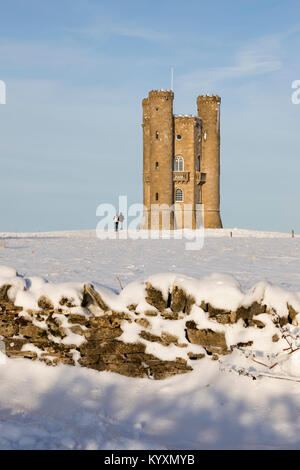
156 196
156 134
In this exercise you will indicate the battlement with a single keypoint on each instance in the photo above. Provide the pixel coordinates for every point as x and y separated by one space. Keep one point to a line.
185 116
167 94
209 99
187 120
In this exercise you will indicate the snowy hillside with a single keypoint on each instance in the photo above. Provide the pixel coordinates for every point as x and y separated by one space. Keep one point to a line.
218 404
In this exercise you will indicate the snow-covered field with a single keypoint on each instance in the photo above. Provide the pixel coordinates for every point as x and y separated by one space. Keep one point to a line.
76 408
80 256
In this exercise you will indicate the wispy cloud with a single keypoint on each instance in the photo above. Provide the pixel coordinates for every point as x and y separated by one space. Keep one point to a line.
260 57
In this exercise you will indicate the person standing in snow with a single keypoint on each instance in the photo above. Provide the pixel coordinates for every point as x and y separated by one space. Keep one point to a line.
116 222
121 220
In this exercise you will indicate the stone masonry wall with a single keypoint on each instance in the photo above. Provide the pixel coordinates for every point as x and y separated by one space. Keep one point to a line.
91 335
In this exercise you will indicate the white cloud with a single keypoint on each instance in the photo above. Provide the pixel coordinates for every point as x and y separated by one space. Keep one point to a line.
259 57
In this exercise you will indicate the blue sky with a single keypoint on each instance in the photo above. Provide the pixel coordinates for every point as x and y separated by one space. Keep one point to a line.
77 70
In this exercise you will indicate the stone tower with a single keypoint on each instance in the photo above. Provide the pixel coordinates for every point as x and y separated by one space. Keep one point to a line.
181 163
209 112
158 141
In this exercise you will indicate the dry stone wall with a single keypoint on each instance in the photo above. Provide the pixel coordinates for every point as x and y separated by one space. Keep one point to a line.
90 334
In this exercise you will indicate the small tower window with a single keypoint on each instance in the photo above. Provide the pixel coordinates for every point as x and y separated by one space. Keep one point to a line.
178 164
178 137
156 134
178 195
156 109
199 196
156 165
156 196
198 163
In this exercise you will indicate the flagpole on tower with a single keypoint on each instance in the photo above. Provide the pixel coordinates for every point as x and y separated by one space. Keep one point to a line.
172 78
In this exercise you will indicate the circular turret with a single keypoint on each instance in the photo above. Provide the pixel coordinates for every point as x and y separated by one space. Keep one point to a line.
209 112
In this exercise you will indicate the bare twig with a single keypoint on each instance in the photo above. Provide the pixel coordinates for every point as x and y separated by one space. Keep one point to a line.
117 276
275 364
278 377
261 363
294 350
282 331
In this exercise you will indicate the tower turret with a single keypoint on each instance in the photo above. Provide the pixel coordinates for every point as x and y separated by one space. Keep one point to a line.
146 162
209 112
158 152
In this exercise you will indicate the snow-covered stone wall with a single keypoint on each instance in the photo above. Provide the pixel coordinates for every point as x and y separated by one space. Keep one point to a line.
154 328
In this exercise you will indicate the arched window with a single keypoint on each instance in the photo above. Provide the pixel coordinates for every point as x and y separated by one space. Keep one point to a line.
178 195
178 164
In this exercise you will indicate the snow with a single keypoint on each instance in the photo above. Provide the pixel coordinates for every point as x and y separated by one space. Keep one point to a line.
8 276
37 287
74 408
249 256
213 407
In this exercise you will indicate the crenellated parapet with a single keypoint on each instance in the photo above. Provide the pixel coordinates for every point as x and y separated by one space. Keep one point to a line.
161 94
209 99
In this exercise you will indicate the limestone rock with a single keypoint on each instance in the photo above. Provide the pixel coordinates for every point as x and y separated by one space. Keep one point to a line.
165 339
247 313
283 321
195 356
219 315
155 298
151 313
169 315
292 315
190 301
143 322
212 341
91 296
29 330
13 345
65 301
243 344
45 303
8 329
4 292
77 318
132 307
180 301
23 354
99 334
77 330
